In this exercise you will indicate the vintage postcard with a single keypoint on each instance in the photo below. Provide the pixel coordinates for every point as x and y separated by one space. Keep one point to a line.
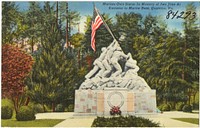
100 63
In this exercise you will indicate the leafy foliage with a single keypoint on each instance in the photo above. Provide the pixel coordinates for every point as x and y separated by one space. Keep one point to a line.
130 24
6 112
130 121
33 19
7 102
53 74
10 15
76 39
162 61
165 107
187 108
16 66
25 113
70 17
37 108
179 106
70 108
59 108
190 69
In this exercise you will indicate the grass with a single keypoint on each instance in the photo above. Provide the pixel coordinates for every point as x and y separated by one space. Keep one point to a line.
34 123
189 120
195 112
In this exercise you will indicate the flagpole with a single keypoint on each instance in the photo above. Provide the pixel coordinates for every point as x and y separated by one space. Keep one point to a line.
105 24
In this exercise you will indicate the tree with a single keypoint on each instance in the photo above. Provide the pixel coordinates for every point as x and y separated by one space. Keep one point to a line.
171 58
168 61
71 18
9 21
158 53
190 67
16 66
33 20
76 41
130 24
20 35
52 80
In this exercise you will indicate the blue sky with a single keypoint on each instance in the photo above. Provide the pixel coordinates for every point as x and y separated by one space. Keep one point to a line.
114 7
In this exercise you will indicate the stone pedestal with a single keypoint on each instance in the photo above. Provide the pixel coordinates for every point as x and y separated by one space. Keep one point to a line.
99 102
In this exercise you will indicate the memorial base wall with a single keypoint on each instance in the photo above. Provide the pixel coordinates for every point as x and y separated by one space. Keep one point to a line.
99 102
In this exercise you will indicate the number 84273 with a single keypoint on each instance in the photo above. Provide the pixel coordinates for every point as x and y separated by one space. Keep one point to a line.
182 14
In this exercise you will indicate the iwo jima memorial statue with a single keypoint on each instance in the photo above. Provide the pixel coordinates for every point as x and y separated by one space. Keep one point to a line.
110 87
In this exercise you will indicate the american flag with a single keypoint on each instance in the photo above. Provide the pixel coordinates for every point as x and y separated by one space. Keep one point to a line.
96 23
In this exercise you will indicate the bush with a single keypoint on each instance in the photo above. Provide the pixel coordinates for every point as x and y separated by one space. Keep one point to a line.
172 105
6 112
7 102
179 106
25 113
187 108
160 107
47 108
164 107
70 108
59 108
129 121
37 108
195 106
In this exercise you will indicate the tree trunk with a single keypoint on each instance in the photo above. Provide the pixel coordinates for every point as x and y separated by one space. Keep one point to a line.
89 61
53 107
67 27
27 101
184 48
189 98
43 101
43 106
183 68
57 14
194 96
174 104
79 59
32 45
15 100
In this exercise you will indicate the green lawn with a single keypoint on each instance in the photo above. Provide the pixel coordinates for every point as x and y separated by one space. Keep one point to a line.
34 123
189 120
195 112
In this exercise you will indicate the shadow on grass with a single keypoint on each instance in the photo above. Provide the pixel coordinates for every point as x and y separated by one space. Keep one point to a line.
188 120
